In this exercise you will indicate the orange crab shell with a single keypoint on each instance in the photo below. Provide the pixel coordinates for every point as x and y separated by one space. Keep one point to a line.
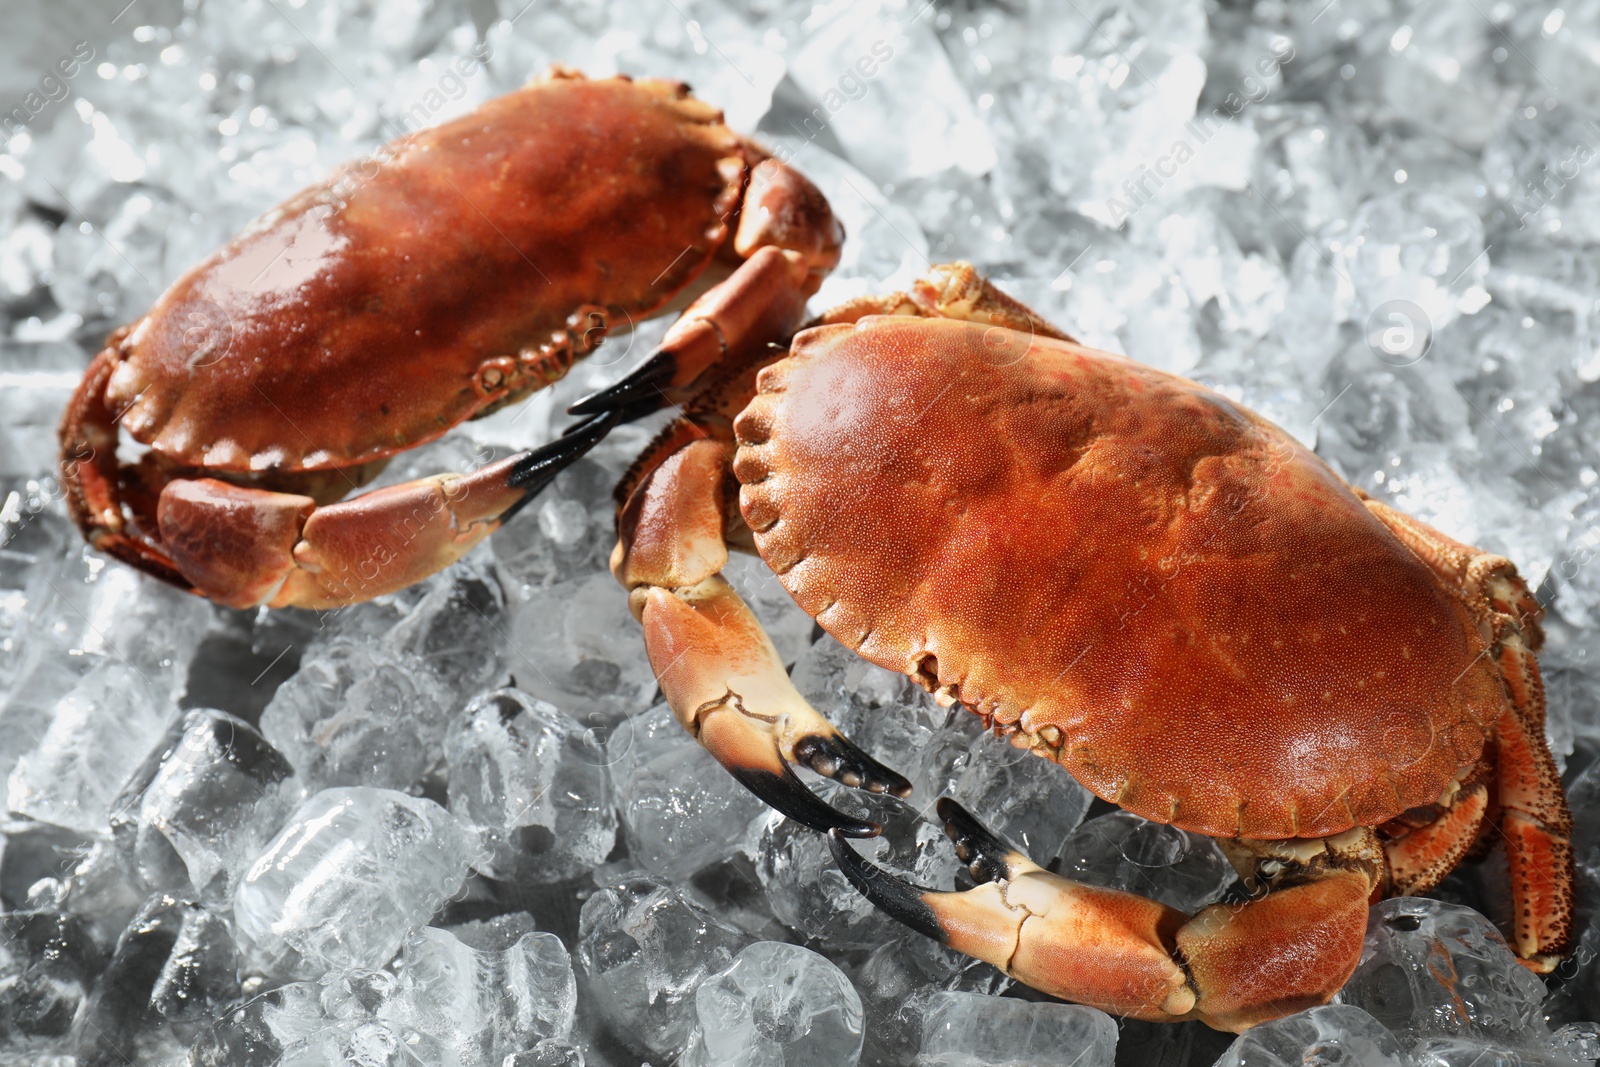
1194 615
373 312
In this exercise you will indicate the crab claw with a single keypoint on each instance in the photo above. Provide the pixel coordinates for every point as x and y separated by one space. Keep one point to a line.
644 384
1101 947
762 302
831 755
721 675
534 470
1232 966
755 763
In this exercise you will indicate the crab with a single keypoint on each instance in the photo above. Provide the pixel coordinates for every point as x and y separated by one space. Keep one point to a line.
1134 577
450 273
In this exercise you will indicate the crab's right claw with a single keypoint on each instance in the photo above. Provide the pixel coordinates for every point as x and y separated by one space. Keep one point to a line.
1094 946
754 760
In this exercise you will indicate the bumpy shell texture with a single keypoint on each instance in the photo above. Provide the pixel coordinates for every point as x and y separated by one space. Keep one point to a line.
373 312
1166 593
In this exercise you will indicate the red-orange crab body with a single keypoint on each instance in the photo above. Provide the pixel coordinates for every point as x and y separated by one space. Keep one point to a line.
1168 595
1136 578
451 272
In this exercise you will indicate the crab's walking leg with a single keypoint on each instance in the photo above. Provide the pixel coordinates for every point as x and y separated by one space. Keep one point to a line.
1425 846
716 666
1230 966
1534 818
242 547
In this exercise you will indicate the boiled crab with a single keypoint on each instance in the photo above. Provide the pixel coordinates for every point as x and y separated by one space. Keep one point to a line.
452 273
1134 577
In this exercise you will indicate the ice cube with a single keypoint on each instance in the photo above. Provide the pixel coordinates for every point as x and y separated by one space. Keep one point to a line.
1437 71
1333 1033
203 802
970 1030
1416 260
100 892
457 629
776 1003
108 264
345 878
1119 850
576 641
523 773
98 733
645 948
483 1005
546 1054
809 894
1031 802
47 963
175 964
496 934
359 715
1430 968
681 812
894 983
884 88
374 712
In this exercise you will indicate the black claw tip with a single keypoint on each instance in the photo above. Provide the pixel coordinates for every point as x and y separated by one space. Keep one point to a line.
789 796
898 899
640 388
538 467
836 756
988 858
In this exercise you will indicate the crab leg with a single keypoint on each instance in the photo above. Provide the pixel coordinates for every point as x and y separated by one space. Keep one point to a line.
90 475
762 301
1230 966
243 547
1423 851
1534 817
716 666
788 240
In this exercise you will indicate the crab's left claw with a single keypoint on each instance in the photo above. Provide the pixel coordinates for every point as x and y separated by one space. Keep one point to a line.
721 675
1232 966
1100 947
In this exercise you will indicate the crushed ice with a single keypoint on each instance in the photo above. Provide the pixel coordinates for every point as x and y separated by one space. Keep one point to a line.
452 827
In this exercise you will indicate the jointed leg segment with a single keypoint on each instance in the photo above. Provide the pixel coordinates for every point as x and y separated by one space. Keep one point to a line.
1528 801
715 664
1231 966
